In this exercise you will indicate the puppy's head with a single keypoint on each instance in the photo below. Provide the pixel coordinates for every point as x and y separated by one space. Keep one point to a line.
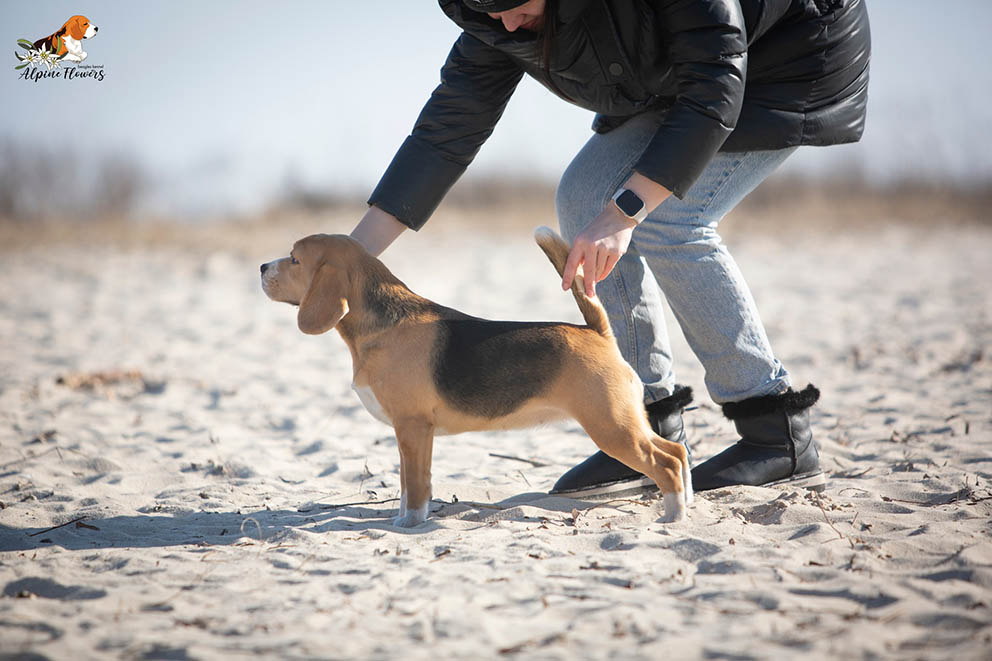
79 27
315 276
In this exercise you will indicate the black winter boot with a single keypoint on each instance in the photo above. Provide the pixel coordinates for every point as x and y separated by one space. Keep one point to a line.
776 445
601 474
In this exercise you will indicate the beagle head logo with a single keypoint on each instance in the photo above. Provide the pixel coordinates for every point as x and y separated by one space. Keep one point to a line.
66 44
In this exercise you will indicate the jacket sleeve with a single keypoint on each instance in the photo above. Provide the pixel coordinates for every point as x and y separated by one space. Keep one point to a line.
476 84
707 44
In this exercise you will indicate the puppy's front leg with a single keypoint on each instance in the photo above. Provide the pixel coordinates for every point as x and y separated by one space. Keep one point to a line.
402 489
415 438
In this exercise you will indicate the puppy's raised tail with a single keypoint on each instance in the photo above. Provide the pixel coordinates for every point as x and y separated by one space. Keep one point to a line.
557 251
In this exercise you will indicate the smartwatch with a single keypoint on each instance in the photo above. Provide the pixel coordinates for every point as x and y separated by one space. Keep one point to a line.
630 204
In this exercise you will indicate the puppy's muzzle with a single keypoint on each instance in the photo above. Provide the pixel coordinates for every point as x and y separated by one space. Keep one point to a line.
269 275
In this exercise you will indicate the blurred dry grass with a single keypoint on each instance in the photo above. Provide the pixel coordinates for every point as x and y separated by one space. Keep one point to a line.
840 202
44 183
99 205
778 207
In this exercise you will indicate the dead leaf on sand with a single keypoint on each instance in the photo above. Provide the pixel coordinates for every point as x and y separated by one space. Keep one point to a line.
102 380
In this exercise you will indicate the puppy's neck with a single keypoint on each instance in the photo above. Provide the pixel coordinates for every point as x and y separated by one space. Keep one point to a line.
379 302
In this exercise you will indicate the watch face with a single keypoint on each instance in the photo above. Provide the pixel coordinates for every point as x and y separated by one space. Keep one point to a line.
629 203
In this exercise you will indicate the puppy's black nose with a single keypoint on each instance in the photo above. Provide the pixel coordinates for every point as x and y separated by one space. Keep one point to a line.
96 29
263 267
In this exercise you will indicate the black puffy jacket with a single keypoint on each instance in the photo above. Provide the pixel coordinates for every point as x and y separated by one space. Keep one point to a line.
725 74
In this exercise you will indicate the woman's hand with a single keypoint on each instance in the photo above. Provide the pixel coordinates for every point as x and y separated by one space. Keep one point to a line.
598 248
604 241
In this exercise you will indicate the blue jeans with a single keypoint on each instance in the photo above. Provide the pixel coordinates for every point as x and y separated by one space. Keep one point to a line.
677 250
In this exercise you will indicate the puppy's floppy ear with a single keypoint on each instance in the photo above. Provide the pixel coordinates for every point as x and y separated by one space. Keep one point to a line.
75 27
325 302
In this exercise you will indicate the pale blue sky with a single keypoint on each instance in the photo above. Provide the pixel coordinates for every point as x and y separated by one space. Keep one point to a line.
221 100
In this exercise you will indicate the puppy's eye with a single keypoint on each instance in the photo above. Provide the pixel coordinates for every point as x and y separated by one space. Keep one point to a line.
293 260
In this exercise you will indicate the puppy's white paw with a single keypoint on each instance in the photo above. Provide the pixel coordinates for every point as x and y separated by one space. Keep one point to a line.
412 518
674 507
408 520
687 484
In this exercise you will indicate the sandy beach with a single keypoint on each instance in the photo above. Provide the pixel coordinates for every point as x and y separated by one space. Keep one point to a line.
184 475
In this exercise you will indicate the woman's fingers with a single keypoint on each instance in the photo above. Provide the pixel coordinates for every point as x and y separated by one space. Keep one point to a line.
611 262
571 266
597 249
583 254
597 262
601 258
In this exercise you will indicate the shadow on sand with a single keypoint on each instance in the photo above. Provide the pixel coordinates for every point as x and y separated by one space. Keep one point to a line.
229 528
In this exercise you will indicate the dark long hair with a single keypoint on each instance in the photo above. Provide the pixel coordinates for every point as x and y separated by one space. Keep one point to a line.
546 43
545 40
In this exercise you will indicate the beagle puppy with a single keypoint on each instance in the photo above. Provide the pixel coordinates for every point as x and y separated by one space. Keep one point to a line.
429 370
68 41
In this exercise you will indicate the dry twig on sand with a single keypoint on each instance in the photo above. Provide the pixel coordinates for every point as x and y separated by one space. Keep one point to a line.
830 523
61 525
532 462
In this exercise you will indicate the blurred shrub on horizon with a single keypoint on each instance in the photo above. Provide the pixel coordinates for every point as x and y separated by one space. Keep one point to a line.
49 185
44 183
834 200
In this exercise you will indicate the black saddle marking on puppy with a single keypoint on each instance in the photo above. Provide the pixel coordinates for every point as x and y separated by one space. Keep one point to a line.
49 40
491 368
385 309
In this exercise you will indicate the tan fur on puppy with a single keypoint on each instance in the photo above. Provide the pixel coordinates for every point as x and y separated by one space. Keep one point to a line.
427 369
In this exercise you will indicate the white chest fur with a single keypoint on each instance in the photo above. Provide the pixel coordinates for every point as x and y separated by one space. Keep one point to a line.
371 404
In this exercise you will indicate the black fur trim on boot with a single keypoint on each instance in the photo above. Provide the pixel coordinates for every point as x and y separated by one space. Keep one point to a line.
788 402
674 403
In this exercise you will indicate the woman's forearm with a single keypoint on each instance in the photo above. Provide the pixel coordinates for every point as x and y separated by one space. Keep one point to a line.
650 192
377 229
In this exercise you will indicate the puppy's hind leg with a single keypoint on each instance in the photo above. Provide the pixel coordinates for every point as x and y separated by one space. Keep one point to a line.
626 436
676 450
415 438
687 482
